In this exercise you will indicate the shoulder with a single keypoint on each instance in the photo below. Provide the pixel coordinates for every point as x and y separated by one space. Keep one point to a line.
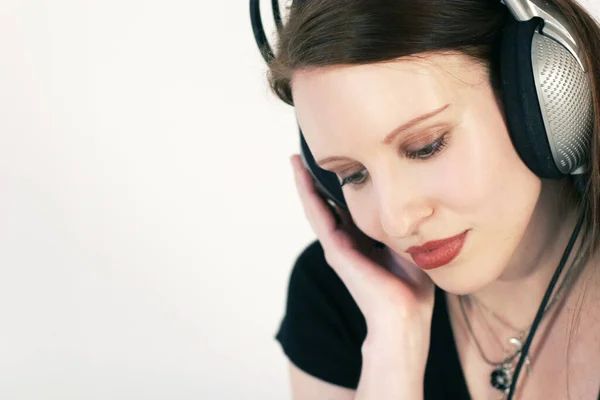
312 280
311 272
323 329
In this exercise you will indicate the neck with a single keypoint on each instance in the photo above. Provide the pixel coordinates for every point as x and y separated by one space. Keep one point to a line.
518 292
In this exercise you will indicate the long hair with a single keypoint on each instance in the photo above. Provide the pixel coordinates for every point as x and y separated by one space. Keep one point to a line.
321 33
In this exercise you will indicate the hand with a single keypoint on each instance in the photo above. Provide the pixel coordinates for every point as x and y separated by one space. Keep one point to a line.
396 300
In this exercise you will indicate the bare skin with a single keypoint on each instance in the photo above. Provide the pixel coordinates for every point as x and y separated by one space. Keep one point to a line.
518 224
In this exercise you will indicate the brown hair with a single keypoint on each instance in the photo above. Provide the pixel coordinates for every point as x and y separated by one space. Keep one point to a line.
321 33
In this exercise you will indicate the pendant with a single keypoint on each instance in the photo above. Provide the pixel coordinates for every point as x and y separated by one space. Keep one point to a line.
518 343
501 377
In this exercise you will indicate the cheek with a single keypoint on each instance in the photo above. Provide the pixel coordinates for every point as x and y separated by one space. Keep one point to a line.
455 184
489 183
483 172
478 182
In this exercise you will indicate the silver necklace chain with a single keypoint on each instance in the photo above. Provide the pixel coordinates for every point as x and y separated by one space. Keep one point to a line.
503 370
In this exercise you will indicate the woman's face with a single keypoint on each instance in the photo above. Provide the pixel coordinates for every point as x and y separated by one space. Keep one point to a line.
452 172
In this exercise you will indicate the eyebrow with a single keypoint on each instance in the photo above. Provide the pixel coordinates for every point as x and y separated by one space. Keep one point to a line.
394 133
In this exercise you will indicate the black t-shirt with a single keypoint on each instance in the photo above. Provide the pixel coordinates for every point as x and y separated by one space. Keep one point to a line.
323 330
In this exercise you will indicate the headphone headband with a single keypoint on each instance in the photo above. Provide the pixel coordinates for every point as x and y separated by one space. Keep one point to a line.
555 24
548 102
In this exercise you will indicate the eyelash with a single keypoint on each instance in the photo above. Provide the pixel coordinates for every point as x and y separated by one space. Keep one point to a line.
424 153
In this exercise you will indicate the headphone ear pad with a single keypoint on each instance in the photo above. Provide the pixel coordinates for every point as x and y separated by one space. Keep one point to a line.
326 182
521 103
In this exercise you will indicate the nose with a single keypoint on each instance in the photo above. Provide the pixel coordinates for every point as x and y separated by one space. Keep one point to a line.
402 206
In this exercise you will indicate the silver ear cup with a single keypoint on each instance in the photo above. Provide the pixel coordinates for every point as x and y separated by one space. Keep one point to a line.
565 97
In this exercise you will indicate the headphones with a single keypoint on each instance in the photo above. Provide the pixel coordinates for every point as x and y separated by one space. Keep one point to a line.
546 93
548 104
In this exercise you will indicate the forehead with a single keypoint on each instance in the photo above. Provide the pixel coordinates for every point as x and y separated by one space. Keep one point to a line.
334 103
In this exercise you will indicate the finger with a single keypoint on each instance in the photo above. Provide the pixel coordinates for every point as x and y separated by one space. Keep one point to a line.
336 243
363 241
341 216
404 269
320 218
366 279
334 240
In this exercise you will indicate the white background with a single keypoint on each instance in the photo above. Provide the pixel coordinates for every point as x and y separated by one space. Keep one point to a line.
148 217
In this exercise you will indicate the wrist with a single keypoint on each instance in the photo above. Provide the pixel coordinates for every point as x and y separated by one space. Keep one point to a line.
392 369
397 347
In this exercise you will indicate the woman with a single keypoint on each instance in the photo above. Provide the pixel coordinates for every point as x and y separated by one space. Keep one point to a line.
403 101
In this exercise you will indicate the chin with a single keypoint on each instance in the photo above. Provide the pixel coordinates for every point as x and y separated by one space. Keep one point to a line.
467 277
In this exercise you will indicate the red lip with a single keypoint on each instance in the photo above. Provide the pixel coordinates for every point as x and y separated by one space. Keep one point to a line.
437 252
